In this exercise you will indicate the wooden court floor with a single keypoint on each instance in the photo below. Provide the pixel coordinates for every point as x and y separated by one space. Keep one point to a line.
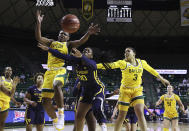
151 127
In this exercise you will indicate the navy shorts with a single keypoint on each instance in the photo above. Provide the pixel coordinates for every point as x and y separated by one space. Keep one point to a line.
88 94
34 116
98 108
132 118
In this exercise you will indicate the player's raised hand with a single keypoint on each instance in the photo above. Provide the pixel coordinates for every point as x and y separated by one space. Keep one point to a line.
39 17
165 82
76 53
93 29
16 80
43 47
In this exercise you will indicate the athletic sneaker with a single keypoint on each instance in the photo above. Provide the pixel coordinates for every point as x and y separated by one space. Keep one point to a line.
59 125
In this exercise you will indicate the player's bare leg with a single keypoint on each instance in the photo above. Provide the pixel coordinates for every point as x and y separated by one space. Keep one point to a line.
39 127
59 99
91 121
120 120
3 116
133 127
127 126
174 125
166 124
49 108
83 108
139 110
29 127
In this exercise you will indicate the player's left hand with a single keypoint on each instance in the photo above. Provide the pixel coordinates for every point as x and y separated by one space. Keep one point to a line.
16 80
76 53
165 82
184 112
93 29
43 47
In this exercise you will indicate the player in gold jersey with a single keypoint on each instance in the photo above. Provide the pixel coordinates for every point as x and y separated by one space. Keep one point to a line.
131 89
7 89
54 78
170 114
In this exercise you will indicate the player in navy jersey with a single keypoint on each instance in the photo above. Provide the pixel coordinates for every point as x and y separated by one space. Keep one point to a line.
97 108
90 119
92 87
34 112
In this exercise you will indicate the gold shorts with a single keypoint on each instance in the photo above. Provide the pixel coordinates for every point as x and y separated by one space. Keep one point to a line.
4 106
130 96
51 76
170 116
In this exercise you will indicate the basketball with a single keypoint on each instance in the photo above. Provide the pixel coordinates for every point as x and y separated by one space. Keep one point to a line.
70 23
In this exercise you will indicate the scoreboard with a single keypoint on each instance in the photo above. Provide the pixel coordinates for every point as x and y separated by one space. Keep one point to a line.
119 11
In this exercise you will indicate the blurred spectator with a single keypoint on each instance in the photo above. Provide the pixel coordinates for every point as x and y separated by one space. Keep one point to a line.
22 78
184 81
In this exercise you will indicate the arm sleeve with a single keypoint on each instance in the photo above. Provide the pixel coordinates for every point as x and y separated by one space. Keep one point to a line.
118 64
162 97
149 68
88 62
76 90
57 54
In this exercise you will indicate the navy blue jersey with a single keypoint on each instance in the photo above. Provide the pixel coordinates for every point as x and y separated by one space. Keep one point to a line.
85 69
35 96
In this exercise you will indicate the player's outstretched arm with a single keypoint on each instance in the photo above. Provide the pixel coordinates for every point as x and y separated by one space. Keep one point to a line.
164 81
181 106
57 54
93 29
154 72
38 36
158 102
115 111
151 113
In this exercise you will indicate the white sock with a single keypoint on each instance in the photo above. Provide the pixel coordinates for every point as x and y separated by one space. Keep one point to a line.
61 109
85 127
103 127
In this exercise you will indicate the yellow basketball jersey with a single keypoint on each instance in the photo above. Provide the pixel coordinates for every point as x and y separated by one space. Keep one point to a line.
54 61
7 85
170 103
131 75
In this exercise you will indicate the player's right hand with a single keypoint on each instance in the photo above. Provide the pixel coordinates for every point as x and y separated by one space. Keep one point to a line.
39 17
